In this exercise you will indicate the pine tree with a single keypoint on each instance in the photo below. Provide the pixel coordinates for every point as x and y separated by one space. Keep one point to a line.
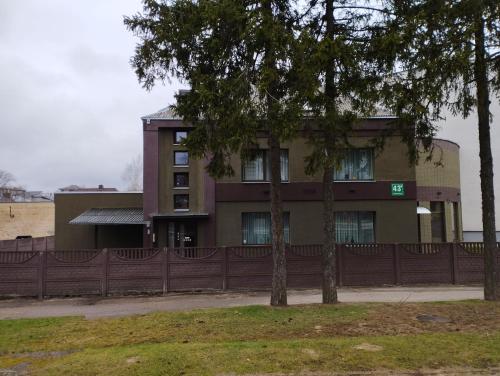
448 57
238 57
348 76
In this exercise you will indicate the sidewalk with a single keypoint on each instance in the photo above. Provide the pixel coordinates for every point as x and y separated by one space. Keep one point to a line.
95 307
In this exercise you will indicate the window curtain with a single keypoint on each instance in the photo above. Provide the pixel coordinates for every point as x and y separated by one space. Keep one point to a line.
365 164
355 227
259 168
256 228
366 227
253 170
284 165
357 165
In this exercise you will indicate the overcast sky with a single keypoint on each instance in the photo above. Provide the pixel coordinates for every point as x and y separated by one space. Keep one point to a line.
70 102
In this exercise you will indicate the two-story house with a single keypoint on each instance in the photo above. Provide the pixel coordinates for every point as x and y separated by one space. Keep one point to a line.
379 196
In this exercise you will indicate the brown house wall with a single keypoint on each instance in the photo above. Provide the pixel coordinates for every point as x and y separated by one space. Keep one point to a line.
395 221
224 201
390 164
70 205
166 176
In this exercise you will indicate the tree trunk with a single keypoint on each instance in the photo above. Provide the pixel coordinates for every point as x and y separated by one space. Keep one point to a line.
491 288
278 293
329 285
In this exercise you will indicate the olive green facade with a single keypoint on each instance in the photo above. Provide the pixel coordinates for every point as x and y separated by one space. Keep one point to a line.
306 222
396 218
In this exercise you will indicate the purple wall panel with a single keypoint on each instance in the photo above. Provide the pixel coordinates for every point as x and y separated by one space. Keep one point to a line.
426 268
195 283
73 288
135 285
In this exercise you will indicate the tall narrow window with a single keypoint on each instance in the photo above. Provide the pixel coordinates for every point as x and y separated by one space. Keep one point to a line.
253 170
284 164
355 227
181 158
357 165
259 168
456 222
437 222
256 228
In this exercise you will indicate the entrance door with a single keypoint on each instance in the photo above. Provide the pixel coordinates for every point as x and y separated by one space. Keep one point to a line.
189 231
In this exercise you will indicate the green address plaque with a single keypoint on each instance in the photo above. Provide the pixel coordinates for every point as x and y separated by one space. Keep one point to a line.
397 189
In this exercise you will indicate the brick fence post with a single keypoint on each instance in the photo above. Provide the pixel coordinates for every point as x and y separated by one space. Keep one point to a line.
164 271
397 264
105 273
224 268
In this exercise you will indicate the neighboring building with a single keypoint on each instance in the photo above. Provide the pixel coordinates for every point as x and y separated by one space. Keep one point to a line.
377 195
25 214
88 220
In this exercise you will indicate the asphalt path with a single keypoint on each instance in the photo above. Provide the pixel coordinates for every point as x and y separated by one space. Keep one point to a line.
94 307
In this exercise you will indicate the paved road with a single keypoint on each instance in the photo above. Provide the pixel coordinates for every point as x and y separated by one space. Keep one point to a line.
109 307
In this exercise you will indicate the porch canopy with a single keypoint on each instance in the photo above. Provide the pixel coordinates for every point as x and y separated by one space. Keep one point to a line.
423 210
110 216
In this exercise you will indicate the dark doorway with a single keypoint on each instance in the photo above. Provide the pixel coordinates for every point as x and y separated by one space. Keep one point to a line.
189 231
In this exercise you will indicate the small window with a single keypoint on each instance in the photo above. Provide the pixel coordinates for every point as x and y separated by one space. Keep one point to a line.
181 202
355 227
357 165
181 179
179 136
181 158
437 222
259 168
256 228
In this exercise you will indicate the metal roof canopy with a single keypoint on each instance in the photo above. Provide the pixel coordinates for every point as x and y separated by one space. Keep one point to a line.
110 216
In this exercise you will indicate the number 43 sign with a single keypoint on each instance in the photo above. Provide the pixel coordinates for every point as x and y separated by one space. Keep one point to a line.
397 189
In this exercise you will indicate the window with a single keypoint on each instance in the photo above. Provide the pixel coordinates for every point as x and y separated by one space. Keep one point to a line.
259 168
355 227
179 136
181 158
181 179
256 228
437 222
455 222
357 165
181 202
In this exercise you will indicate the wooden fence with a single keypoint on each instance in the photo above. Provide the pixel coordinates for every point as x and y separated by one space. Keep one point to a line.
125 271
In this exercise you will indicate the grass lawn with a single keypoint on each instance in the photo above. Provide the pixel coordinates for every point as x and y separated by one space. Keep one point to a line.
259 340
